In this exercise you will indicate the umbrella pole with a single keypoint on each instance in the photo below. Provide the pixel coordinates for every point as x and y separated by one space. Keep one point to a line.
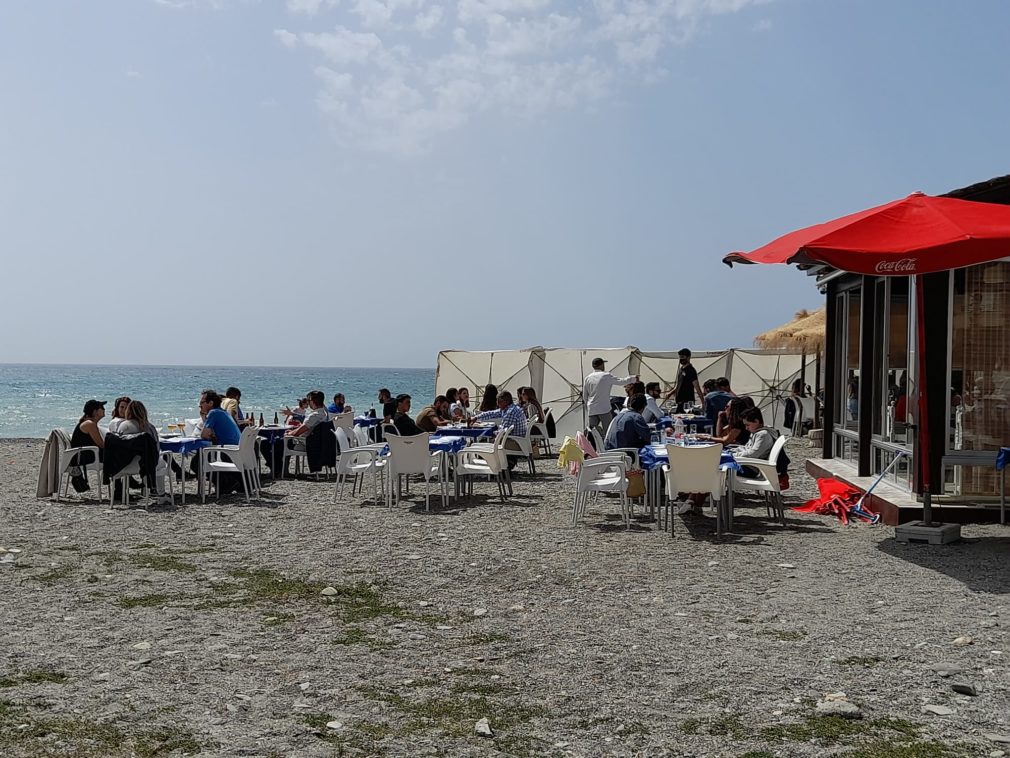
923 422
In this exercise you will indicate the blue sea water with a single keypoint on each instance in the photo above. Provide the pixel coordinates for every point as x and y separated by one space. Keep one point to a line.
36 398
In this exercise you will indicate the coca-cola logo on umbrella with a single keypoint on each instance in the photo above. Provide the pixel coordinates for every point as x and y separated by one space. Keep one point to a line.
903 266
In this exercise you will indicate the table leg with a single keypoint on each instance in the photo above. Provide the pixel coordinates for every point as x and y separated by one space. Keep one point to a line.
182 481
1002 496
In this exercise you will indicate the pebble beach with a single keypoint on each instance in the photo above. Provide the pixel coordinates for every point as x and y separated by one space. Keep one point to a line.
294 626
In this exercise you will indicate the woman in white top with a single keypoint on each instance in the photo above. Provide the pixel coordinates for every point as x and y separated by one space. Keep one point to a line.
460 410
118 413
528 397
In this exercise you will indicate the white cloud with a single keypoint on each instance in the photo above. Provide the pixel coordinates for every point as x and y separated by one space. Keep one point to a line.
132 73
308 7
286 38
763 25
399 74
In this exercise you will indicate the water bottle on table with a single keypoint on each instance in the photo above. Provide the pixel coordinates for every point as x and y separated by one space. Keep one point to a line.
678 431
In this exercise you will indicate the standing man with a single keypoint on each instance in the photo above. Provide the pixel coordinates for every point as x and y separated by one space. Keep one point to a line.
687 387
596 394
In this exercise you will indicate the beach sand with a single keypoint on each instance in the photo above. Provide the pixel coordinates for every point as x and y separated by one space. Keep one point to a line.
204 628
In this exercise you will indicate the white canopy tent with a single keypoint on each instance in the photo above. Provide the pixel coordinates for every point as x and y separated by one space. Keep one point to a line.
557 374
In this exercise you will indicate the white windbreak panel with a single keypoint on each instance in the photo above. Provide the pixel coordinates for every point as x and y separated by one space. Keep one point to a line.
506 369
563 372
766 377
663 367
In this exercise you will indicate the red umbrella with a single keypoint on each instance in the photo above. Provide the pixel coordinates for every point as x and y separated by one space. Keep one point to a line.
917 235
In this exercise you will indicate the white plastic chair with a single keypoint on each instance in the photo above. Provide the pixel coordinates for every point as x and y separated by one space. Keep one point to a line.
344 421
538 433
523 449
67 462
294 450
694 469
766 482
235 459
604 474
808 407
354 461
495 448
486 460
360 436
597 440
123 477
410 455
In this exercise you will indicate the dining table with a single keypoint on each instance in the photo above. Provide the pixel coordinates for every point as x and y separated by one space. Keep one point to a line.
654 456
182 446
475 432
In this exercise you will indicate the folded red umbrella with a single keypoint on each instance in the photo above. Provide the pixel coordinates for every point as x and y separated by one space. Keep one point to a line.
837 499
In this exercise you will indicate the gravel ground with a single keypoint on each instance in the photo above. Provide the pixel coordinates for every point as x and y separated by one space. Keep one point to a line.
207 629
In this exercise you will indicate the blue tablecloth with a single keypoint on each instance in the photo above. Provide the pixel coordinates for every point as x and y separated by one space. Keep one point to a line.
366 421
182 445
1002 458
689 421
446 444
272 433
652 456
473 432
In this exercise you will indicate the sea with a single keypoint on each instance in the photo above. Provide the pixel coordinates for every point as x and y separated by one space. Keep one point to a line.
37 398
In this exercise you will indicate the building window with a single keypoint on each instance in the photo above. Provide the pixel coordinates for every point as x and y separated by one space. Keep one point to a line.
979 388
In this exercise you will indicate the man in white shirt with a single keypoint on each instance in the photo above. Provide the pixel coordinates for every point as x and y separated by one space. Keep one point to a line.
596 394
652 412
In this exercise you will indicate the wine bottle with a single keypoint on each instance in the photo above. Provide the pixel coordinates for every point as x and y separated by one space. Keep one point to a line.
261 420
275 418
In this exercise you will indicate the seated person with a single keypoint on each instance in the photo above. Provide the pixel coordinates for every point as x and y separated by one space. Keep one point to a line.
136 422
635 388
230 403
433 416
388 405
402 421
87 434
531 404
339 405
629 429
717 400
317 414
118 413
460 410
510 415
762 440
297 415
729 427
652 412
218 425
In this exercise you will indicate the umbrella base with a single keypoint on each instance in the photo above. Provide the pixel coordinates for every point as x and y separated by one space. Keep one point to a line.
934 534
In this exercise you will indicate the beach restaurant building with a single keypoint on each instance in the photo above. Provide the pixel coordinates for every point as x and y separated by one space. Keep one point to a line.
873 373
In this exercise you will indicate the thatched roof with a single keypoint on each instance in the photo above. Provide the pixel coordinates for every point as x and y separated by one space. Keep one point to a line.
805 332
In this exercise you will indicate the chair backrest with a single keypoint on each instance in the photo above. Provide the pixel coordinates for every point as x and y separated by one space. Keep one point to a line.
247 447
694 468
360 435
390 430
68 455
597 440
599 466
409 455
343 444
344 421
780 443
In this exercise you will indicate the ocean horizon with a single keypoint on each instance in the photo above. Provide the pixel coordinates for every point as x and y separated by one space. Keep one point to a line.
38 397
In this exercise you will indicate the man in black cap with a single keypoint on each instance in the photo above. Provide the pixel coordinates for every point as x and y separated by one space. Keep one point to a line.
596 394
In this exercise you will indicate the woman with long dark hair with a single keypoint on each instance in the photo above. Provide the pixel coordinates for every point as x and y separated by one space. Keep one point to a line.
489 400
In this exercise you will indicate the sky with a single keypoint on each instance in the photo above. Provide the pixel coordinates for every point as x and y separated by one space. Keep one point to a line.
367 182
